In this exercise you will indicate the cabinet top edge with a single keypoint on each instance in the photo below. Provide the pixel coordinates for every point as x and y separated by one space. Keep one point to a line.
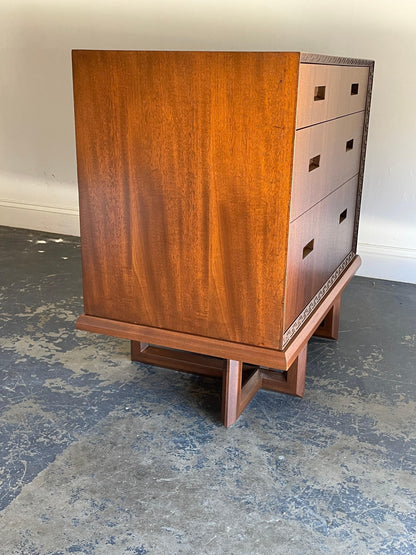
324 59
304 57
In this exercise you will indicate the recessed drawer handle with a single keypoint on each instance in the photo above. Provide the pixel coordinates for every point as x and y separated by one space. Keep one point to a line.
319 93
349 145
314 162
354 88
307 249
343 216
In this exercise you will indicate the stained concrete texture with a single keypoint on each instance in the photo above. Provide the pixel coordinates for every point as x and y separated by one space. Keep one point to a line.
101 455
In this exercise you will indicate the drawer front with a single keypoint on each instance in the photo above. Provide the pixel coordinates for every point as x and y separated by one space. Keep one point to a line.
319 240
327 92
326 156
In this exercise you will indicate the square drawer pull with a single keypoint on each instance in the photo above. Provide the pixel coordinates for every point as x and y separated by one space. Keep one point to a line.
354 88
307 249
349 145
314 162
319 93
343 216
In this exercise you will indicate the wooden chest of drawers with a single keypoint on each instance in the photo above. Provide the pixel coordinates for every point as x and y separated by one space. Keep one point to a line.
219 201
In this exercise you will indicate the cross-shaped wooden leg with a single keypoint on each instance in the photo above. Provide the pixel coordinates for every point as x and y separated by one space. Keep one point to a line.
330 324
236 395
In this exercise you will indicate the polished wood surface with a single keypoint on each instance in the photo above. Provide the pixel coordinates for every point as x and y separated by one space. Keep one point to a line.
232 382
291 382
183 341
330 324
237 389
327 229
281 359
179 168
177 360
235 394
218 195
316 105
312 181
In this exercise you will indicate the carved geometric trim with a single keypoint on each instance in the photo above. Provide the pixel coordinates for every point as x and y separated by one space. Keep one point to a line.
363 154
309 58
306 312
333 60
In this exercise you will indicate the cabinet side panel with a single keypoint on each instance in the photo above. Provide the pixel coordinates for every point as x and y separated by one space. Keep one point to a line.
184 164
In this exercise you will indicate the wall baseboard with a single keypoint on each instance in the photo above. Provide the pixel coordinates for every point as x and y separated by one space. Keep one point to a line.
40 218
379 261
384 262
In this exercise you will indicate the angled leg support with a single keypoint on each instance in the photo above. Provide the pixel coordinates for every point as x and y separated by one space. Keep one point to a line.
291 381
177 360
236 395
231 392
330 324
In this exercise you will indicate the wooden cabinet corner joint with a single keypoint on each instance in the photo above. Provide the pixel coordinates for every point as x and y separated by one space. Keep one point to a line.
210 252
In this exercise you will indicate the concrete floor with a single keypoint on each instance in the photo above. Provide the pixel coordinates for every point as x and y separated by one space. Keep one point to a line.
101 455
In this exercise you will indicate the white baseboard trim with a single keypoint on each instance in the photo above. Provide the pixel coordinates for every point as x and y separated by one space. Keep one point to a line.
385 262
41 218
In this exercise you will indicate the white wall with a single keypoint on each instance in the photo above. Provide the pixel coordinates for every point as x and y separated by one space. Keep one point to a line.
37 150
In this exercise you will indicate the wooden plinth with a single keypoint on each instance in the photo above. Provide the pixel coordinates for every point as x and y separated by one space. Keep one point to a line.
244 369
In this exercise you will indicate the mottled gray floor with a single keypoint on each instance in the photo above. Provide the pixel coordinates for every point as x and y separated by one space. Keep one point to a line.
100 455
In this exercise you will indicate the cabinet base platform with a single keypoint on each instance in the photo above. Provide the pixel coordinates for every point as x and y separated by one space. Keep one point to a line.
240 381
244 369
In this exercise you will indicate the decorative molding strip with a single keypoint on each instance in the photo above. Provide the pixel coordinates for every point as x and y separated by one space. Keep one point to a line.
309 58
363 154
333 60
304 315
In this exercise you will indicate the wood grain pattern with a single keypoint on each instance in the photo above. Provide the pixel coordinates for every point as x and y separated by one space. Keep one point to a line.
295 344
252 354
179 167
226 349
336 164
185 177
338 100
235 395
332 241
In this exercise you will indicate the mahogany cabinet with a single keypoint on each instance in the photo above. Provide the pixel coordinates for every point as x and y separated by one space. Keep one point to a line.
219 203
